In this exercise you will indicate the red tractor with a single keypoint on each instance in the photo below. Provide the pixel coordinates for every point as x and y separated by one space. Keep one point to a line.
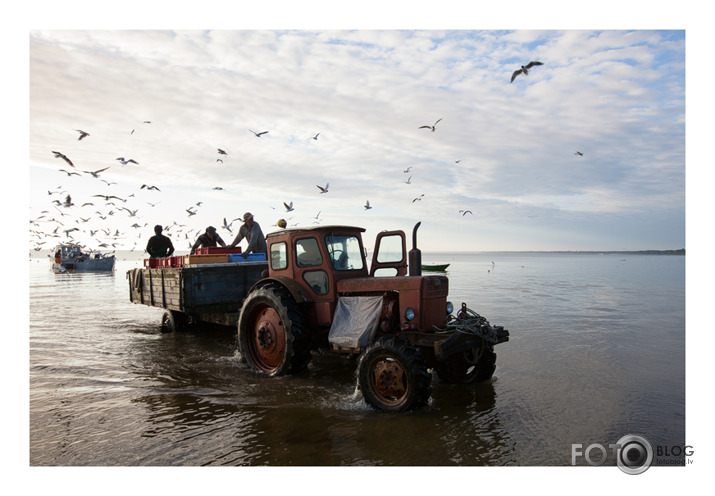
319 294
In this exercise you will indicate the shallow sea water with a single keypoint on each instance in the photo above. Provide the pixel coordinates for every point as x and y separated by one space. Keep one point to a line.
597 351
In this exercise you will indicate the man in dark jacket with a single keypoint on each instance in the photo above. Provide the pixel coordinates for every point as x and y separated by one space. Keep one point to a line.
209 238
159 245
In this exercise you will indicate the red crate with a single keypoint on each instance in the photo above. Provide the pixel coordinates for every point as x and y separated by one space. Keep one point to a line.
152 262
217 250
177 261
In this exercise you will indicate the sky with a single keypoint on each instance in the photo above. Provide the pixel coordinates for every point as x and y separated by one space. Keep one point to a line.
500 171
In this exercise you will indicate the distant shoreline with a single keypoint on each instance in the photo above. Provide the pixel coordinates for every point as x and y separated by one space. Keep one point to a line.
680 252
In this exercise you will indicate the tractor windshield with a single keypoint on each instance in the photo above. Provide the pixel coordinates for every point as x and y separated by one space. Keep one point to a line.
344 251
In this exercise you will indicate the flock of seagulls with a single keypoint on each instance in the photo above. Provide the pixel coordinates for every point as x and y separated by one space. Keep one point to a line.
192 210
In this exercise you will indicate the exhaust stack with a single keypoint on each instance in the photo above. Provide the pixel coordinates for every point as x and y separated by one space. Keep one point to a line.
414 257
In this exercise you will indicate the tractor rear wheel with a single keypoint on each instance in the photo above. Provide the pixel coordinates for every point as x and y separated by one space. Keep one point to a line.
271 333
393 377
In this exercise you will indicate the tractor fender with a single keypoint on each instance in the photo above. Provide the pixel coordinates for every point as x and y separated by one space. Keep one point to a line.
299 294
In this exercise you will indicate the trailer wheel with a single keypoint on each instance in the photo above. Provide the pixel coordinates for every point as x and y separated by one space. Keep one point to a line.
173 321
475 365
271 333
393 377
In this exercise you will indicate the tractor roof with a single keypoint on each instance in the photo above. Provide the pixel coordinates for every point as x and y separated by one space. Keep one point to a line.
293 230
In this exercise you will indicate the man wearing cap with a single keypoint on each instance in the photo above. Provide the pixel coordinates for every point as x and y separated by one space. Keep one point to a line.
253 234
209 238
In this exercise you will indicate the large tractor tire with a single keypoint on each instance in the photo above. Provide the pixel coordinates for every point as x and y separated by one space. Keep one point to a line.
393 377
475 365
271 333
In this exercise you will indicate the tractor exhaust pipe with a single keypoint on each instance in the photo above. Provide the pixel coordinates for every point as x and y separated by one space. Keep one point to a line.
414 257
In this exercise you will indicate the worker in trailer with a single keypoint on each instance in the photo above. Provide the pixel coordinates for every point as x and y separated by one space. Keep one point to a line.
209 238
253 234
159 245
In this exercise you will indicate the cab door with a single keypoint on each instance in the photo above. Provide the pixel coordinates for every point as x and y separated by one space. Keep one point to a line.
390 255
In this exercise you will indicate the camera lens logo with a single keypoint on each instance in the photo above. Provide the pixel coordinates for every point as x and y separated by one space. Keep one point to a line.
635 454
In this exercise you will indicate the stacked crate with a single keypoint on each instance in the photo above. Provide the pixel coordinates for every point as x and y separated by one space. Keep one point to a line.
209 255
205 258
250 257
217 250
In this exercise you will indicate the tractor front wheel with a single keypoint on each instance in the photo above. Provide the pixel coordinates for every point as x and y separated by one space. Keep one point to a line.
473 365
393 377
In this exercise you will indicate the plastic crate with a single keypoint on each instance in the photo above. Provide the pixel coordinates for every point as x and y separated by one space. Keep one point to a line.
250 257
177 261
216 250
152 262
205 259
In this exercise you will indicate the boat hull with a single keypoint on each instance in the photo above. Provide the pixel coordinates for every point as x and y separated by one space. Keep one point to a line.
435 268
91 265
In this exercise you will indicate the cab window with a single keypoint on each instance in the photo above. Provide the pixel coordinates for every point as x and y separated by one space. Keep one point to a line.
279 257
307 253
344 252
390 249
317 280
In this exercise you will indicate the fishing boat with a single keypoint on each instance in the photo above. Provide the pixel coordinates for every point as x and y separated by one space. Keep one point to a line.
70 257
435 267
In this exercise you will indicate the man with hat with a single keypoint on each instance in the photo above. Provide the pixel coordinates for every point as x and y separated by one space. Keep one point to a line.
209 238
253 234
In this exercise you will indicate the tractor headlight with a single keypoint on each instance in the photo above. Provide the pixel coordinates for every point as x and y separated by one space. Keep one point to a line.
409 313
450 307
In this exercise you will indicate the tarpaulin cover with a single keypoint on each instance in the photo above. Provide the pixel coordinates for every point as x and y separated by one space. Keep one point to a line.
355 320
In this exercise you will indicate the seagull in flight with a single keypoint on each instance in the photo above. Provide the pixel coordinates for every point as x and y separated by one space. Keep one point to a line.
70 173
409 180
123 161
419 198
218 188
221 152
63 157
367 205
132 213
82 134
465 212
108 197
149 187
288 206
68 231
430 127
95 173
323 190
226 225
525 69
258 135
406 171
580 154
313 137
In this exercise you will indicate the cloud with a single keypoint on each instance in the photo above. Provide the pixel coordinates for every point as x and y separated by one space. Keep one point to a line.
617 96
